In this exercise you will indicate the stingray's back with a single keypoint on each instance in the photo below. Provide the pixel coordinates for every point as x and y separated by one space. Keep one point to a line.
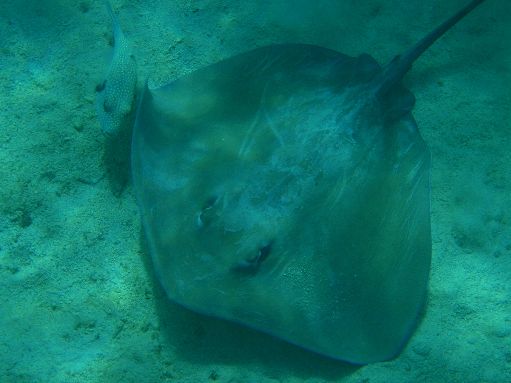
278 192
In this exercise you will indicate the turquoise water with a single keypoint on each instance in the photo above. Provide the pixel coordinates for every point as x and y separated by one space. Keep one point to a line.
79 300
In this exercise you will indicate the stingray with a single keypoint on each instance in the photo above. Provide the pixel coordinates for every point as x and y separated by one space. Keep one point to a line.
288 189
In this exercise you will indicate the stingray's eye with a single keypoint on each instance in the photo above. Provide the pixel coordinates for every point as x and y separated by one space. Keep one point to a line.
251 265
210 202
264 251
206 214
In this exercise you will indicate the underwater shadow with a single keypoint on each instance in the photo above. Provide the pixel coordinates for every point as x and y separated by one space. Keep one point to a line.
204 340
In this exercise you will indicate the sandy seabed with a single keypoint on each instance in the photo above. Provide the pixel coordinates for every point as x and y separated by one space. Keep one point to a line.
79 300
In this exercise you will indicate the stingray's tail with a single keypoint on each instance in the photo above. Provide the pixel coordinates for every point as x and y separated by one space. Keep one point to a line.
401 64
